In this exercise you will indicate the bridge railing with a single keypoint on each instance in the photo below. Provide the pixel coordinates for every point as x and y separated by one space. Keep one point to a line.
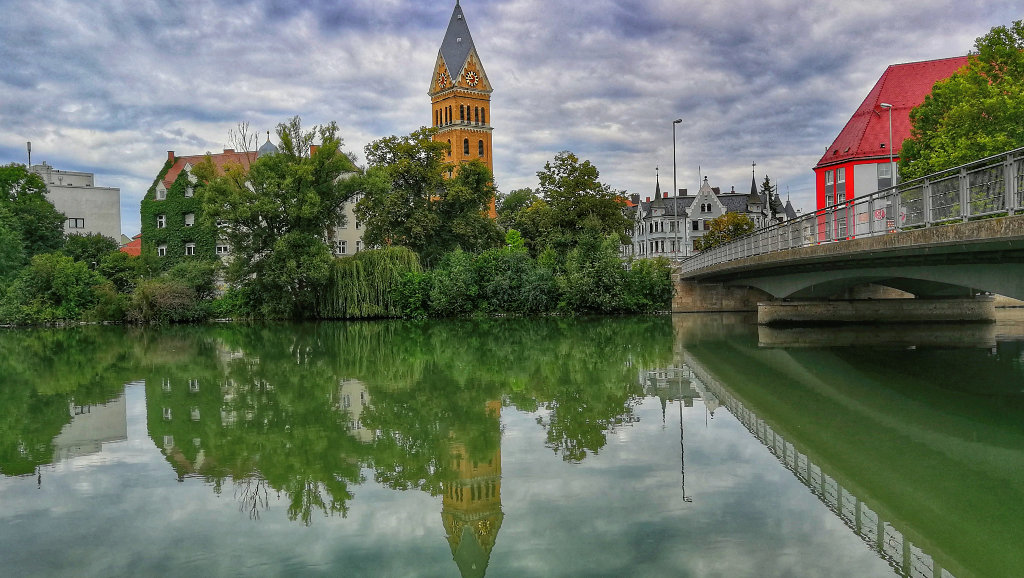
987 187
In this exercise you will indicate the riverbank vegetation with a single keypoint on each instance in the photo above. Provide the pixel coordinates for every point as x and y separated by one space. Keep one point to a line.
437 252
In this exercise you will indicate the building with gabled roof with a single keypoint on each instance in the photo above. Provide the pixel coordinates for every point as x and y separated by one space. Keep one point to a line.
857 162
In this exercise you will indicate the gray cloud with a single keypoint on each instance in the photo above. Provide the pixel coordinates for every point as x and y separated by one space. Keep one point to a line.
110 86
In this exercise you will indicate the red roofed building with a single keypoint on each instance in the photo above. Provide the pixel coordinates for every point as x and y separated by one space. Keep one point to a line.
857 163
133 247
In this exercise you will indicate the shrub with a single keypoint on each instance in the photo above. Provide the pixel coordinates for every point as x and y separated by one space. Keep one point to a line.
454 291
53 287
164 300
367 284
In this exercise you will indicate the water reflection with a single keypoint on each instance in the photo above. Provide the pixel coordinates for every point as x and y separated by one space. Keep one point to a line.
917 451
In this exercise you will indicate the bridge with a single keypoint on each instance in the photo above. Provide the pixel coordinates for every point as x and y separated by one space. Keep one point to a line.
950 240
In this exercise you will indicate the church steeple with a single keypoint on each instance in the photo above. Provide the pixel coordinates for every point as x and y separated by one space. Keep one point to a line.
460 96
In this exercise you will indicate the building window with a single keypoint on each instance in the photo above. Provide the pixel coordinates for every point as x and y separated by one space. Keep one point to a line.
193 385
75 223
696 225
830 187
480 146
190 219
483 116
166 384
161 192
840 185
884 175
189 193
476 115
449 147
194 414
161 250
465 147
707 225
223 249
161 221
358 224
462 112
340 247
359 245
190 249
167 413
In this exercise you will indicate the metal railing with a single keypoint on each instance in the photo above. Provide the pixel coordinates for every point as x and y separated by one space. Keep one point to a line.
991 186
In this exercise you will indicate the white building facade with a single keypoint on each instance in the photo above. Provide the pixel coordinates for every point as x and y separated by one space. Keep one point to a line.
88 208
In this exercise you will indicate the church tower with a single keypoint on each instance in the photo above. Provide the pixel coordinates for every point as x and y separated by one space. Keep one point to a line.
460 97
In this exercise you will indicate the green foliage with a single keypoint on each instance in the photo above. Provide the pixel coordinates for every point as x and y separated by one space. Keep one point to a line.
183 197
368 284
594 277
123 270
455 287
89 249
412 297
975 113
276 214
53 287
408 198
12 249
200 276
31 214
723 229
648 286
166 300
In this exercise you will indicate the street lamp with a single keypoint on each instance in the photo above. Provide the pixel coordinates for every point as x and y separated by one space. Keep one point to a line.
675 186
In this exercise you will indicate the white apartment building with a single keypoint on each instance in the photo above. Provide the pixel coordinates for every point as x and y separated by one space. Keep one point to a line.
88 208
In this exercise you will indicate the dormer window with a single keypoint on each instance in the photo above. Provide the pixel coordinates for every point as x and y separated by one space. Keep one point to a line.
161 192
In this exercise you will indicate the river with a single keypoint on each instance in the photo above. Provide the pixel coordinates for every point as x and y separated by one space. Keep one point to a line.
686 445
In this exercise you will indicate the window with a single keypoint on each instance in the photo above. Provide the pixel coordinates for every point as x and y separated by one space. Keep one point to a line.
194 414
190 249
193 385
223 249
359 245
476 115
190 219
75 223
707 225
161 221
465 147
840 185
480 146
884 175
161 192
462 112
340 247
449 147
830 187
189 193
358 224
167 413
696 225
166 385
483 116
161 250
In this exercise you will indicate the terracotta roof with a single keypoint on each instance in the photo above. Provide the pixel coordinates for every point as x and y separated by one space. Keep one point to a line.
904 86
219 161
134 247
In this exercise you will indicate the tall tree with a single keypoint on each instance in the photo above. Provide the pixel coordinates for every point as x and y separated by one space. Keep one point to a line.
579 203
976 112
410 198
23 197
276 215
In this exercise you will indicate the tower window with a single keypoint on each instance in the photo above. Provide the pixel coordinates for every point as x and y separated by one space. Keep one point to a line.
483 116
449 147
465 147
480 146
476 115
462 112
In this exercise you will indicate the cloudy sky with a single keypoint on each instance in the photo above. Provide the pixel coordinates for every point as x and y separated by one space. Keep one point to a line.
108 86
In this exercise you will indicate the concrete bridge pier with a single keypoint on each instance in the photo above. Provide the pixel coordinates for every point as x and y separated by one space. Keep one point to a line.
828 312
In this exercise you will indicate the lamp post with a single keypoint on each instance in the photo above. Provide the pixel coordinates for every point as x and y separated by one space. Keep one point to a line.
675 186
892 169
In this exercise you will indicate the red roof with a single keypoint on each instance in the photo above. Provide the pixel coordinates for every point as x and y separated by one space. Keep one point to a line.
229 156
134 247
904 86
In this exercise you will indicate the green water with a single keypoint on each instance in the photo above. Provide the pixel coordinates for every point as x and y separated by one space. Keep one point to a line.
684 446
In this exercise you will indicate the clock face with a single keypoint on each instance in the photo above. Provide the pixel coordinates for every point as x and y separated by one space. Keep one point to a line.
472 78
442 79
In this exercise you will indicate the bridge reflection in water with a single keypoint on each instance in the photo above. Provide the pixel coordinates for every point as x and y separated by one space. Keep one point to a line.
882 536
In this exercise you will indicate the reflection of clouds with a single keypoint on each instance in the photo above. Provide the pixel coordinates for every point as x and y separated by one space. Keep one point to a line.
617 512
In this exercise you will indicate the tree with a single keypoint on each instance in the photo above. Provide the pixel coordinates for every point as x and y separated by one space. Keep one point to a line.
577 203
89 249
23 197
12 249
52 287
975 113
724 229
276 216
410 198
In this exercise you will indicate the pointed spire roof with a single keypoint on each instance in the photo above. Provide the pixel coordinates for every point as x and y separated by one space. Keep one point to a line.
458 42
754 197
790 211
